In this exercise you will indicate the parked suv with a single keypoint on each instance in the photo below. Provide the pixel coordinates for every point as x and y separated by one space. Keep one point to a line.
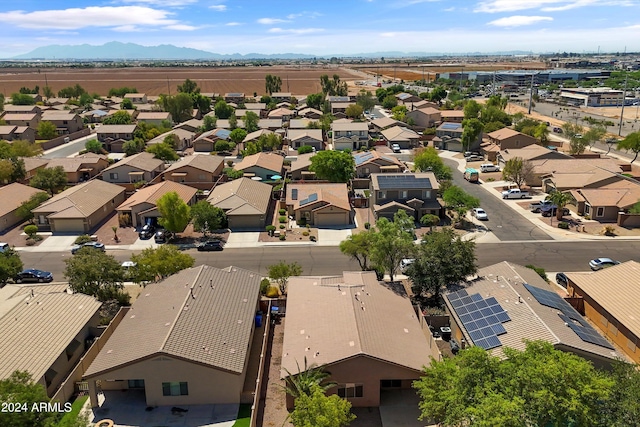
92 245
147 231
489 167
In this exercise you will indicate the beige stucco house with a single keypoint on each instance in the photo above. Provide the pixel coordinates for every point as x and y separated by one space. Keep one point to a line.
262 165
415 193
319 204
131 169
245 201
12 196
199 171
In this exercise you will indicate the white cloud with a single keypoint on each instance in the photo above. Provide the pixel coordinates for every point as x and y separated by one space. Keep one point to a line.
497 6
218 7
270 21
161 3
181 27
127 29
295 30
519 21
95 16
233 24
305 14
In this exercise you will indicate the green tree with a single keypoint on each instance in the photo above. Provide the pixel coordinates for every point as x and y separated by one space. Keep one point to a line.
437 94
163 151
1 101
127 104
121 91
222 146
20 388
304 149
472 129
250 121
427 159
49 179
10 170
561 200
631 142
175 213
133 147
459 201
189 86
25 210
358 247
272 83
497 101
238 135
399 112
354 111
392 241
22 99
10 265
495 114
334 166
389 102
233 121
179 106
47 92
223 110
493 126
518 171
365 100
281 272
95 273
47 130
157 263
21 148
85 100
207 218
622 409
118 118
305 380
319 410
333 86
315 100
595 134
93 146
30 230
430 221
472 109
209 122
443 259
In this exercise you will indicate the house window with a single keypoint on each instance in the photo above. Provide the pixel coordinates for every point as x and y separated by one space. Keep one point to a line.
382 194
136 383
587 209
350 390
404 194
390 383
426 194
599 211
367 171
202 177
175 389
113 176
42 219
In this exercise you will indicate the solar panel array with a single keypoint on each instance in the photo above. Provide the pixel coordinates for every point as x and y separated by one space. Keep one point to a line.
569 315
451 126
482 318
405 181
312 198
361 158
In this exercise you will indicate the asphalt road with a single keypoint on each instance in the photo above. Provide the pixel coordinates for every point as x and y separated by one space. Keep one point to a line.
318 260
69 149
506 225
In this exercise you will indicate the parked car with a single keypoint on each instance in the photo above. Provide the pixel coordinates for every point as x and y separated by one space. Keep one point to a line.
514 193
127 266
3 247
550 210
405 263
34 276
489 167
93 245
211 245
600 263
161 236
474 158
480 214
561 279
537 206
147 231
395 148
557 130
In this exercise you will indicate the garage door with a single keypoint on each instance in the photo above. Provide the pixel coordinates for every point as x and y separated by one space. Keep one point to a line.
68 226
331 219
246 222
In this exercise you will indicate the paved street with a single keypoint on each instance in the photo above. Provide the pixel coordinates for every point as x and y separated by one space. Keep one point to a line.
69 149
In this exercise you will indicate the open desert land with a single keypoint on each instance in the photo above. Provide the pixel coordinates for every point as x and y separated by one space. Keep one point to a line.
154 81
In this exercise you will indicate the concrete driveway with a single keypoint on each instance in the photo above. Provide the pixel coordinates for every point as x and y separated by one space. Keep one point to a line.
332 236
242 239
399 408
54 244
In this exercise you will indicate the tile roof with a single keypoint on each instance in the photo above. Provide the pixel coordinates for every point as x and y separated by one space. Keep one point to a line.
153 115
530 320
181 133
143 161
202 314
385 122
503 133
257 134
616 290
295 134
426 179
241 195
7 129
571 165
58 115
37 329
81 200
73 164
326 194
279 112
116 129
302 161
204 162
366 157
300 123
31 163
269 161
152 193
19 116
349 126
428 110
620 197
530 152
451 113
13 195
333 318
398 133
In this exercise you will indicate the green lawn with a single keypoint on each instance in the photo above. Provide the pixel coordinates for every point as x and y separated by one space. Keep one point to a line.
70 418
244 416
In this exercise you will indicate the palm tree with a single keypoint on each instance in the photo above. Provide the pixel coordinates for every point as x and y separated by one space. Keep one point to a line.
306 379
561 200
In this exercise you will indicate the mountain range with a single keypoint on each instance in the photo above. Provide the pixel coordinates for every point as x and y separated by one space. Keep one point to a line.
132 51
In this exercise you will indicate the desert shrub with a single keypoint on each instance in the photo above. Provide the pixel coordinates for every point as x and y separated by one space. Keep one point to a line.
265 284
270 229
31 230
367 225
230 163
283 237
282 226
282 211
282 219
312 238
608 230
563 225
272 292
85 238
302 222
305 233
124 220
540 271
587 217
31 242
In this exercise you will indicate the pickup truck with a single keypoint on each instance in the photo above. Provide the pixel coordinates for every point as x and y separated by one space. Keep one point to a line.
514 193
536 207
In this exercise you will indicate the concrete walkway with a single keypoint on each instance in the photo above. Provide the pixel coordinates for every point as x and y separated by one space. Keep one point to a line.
243 239
332 237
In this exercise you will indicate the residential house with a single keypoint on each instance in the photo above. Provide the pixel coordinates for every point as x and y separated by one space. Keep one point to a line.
114 136
45 331
320 205
254 136
65 121
522 308
349 135
415 193
136 98
533 153
404 137
419 105
183 138
365 332
260 108
299 137
404 98
382 123
55 101
449 136
235 97
338 108
193 333
94 116
605 203
13 132
300 168
569 173
507 138
427 117
281 96
225 124
22 119
263 165
283 114
245 201
80 168
33 165
155 118
80 208
452 116
206 142
141 206
300 123
273 124
21 109
131 169
310 113
609 298
12 196
368 162
200 171
191 125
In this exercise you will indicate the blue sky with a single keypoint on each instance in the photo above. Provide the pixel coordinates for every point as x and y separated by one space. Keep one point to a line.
325 27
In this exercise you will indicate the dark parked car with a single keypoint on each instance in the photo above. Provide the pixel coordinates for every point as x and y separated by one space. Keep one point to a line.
147 231
33 275
537 206
161 236
212 245
562 279
550 210
93 245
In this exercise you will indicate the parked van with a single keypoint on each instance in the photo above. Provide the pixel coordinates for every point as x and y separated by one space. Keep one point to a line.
489 167
471 175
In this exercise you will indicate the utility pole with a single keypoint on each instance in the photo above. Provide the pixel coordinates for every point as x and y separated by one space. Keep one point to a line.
624 95
531 93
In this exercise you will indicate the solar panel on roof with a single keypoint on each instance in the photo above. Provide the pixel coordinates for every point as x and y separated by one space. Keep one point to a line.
586 332
553 300
361 158
312 198
404 181
450 126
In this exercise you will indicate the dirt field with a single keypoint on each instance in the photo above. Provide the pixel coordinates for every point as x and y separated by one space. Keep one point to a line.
154 81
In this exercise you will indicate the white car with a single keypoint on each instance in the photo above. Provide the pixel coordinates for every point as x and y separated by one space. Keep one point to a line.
395 148
480 214
405 263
